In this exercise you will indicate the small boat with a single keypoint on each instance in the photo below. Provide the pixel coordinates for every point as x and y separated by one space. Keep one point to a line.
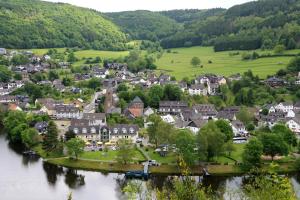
29 153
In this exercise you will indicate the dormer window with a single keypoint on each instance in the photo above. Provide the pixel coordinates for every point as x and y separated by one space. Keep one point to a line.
124 130
75 130
131 130
115 130
93 130
84 130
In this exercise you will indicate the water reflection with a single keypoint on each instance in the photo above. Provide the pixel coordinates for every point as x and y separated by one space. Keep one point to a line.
31 178
52 172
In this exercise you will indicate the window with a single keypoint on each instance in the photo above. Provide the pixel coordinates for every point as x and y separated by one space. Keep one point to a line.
84 130
75 130
115 130
93 130
124 130
131 130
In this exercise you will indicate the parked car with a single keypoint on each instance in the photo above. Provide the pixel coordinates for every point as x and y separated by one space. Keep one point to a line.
153 163
139 140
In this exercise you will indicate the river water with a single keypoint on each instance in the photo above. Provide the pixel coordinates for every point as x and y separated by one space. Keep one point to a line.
24 178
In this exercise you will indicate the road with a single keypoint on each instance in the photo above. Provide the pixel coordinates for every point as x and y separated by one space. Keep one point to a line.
90 108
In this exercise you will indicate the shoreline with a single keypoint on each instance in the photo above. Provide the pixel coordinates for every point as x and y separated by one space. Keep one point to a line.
114 167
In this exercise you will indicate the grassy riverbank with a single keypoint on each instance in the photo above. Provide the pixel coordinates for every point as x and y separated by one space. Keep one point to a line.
215 170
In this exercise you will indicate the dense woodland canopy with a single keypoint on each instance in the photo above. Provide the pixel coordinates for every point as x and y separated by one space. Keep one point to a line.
38 24
259 24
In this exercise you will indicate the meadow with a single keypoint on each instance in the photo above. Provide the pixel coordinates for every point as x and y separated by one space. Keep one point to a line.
177 63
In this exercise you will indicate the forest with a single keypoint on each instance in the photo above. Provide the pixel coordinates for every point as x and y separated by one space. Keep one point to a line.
258 24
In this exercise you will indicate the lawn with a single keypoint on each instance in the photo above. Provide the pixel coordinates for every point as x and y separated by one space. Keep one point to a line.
41 52
101 54
236 155
178 64
169 158
108 156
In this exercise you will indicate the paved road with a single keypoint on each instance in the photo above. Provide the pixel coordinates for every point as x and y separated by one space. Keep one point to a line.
90 108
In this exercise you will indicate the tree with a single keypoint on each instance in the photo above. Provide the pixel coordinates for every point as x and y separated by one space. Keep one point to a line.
50 141
279 49
294 64
69 135
252 153
225 128
125 152
52 75
172 92
159 131
245 116
5 74
14 123
185 142
94 83
210 141
229 147
30 137
273 144
156 94
195 61
75 147
66 81
71 57
287 135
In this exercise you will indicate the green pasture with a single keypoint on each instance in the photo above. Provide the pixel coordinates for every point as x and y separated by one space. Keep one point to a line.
177 63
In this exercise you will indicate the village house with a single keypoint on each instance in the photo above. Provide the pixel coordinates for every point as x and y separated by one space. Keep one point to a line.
123 131
47 105
228 113
275 82
294 124
198 89
135 108
67 112
3 51
100 73
207 111
41 127
284 107
196 124
57 84
297 106
88 132
238 128
168 119
148 111
95 119
115 66
172 107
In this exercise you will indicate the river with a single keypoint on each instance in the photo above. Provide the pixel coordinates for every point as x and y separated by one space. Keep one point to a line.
24 178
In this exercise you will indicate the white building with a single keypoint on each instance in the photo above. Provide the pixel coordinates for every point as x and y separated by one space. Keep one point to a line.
294 125
284 107
198 89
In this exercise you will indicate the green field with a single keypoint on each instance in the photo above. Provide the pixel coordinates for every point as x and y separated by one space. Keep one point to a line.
178 64
108 156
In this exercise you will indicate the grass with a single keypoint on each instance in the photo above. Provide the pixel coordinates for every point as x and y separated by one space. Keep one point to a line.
169 158
178 64
41 52
236 155
101 54
108 156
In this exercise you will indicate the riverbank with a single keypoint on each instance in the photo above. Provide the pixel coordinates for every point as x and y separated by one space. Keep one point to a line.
214 170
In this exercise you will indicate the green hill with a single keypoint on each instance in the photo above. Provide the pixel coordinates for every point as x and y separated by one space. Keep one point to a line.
38 24
145 25
258 24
